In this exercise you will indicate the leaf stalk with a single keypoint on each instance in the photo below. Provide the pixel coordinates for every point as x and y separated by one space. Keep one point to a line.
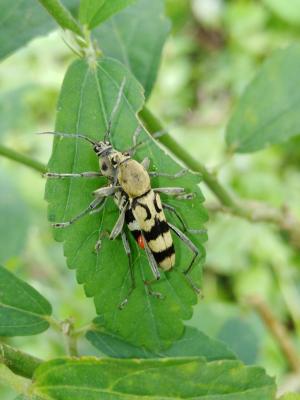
22 159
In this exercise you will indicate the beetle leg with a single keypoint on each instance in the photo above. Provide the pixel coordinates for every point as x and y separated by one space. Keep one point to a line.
178 192
117 229
106 191
130 264
172 191
99 241
146 163
179 217
178 174
56 175
195 251
94 204
151 259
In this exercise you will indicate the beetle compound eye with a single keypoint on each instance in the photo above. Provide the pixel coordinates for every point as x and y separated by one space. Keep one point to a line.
104 166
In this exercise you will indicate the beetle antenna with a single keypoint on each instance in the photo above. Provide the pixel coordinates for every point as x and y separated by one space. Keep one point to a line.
155 135
69 135
115 109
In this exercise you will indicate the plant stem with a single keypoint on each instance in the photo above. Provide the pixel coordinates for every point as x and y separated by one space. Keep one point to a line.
62 16
153 125
18 362
66 328
253 211
22 159
278 330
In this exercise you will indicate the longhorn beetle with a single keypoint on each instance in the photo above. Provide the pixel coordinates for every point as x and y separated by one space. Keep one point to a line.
140 206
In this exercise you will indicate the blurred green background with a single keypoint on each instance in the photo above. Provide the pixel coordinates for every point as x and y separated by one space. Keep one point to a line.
214 50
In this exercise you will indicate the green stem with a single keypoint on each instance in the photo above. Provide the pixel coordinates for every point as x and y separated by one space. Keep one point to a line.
62 16
18 362
253 211
153 125
22 159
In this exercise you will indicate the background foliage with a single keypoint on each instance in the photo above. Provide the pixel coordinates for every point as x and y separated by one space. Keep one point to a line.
251 279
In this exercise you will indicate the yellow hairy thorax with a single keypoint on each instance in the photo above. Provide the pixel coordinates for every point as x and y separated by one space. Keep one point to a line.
133 178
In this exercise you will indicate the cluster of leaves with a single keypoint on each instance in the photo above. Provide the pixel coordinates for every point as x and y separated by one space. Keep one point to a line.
194 359
149 351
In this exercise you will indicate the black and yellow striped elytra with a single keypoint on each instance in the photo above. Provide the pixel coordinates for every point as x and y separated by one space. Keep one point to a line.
145 216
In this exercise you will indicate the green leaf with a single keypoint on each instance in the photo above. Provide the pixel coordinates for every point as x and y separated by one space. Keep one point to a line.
136 37
22 308
93 12
192 343
186 378
268 111
240 336
22 21
62 15
19 363
14 221
87 98
288 10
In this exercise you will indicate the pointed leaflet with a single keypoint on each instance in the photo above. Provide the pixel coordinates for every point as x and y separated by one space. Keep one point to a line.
136 36
93 12
193 343
86 102
22 308
169 378
268 111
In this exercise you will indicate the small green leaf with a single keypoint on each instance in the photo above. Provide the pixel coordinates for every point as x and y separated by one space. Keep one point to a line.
87 99
268 111
160 379
192 343
22 308
22 21
62 15
19 363
93 12
14 221
136 36
288 10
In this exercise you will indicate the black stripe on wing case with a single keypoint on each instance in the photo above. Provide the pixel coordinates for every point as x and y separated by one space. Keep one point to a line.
129 217
145 207
159 228
162 255
156 206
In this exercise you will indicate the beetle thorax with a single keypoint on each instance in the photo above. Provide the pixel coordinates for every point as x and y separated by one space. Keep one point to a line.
133 178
